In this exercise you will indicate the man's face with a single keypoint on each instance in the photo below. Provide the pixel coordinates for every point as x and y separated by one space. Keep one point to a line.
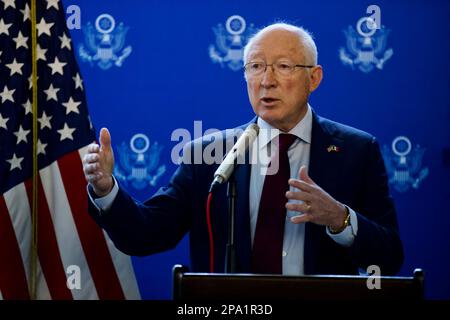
280 100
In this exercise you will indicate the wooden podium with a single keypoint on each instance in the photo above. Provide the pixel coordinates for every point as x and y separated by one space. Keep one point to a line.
218 287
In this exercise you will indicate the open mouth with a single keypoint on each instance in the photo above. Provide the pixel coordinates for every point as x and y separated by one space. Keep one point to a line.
268 100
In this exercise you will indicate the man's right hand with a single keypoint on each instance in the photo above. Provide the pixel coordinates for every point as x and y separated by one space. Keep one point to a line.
98 165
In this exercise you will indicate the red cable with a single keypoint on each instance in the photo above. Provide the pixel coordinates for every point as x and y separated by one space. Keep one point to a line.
211 240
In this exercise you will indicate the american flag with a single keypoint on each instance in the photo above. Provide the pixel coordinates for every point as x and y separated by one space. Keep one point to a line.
67 237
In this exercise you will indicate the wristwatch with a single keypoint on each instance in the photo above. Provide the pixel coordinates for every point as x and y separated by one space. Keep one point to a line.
345 225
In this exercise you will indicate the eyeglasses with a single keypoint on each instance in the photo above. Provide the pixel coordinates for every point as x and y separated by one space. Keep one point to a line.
283 68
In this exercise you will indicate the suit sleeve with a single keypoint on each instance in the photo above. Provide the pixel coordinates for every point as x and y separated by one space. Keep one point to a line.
378 241
154 226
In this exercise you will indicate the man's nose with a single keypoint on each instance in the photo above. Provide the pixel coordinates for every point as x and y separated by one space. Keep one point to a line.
268 77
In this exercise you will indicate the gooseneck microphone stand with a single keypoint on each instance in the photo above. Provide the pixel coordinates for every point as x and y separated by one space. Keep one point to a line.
230 253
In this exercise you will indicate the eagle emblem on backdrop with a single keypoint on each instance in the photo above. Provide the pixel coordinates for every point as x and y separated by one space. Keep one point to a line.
404 164
138 164
366 46
104 43
230 41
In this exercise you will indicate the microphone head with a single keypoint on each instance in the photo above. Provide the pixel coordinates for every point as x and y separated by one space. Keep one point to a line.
254 127
227 166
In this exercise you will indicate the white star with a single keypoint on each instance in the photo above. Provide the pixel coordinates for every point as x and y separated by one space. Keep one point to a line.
52 3
15 67
26 13
78 81
41 147
21 41
21 135
15 162
45 121
65 42
3 122
30 81
51 93
9 3
71 106
40 53
4 27
7 94
66 132
28 107
44 27
57 66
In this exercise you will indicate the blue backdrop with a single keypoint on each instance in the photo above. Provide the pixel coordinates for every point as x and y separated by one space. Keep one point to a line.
150 67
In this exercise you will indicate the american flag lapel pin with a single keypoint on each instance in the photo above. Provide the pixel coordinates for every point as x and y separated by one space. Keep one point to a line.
333 148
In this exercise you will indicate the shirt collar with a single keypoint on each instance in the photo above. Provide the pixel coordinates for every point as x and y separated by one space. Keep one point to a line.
302 130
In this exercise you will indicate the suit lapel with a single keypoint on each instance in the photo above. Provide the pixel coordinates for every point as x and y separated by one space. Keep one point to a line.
325 156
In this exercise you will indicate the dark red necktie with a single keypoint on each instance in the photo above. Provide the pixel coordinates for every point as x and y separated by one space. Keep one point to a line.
269 233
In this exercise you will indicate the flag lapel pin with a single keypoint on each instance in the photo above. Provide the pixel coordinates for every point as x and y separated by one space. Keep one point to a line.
333 148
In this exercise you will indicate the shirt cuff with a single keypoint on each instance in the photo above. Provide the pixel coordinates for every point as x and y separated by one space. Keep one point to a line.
347 236
104 203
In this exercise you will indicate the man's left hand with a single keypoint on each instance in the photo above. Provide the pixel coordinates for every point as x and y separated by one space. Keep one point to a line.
318 206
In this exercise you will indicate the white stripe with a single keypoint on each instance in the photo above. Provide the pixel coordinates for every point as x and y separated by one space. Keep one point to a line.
19 209
82 152
122 263
69 243
124 270
42 291
16 200
1 296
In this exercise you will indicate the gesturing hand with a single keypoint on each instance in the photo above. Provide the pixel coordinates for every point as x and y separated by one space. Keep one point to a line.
318 206
98 164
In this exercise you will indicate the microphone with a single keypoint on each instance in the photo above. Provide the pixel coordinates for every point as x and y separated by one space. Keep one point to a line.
227 166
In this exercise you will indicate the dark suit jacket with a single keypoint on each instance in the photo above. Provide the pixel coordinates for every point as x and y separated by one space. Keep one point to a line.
355 176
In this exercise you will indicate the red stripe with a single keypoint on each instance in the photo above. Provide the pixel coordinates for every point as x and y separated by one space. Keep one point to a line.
91 236
48 251
13 282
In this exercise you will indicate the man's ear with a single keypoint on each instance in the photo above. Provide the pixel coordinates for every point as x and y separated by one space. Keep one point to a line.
315 77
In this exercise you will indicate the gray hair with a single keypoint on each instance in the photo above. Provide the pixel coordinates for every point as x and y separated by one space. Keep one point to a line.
304 35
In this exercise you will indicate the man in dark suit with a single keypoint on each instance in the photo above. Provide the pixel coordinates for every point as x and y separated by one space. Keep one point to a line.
335 219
